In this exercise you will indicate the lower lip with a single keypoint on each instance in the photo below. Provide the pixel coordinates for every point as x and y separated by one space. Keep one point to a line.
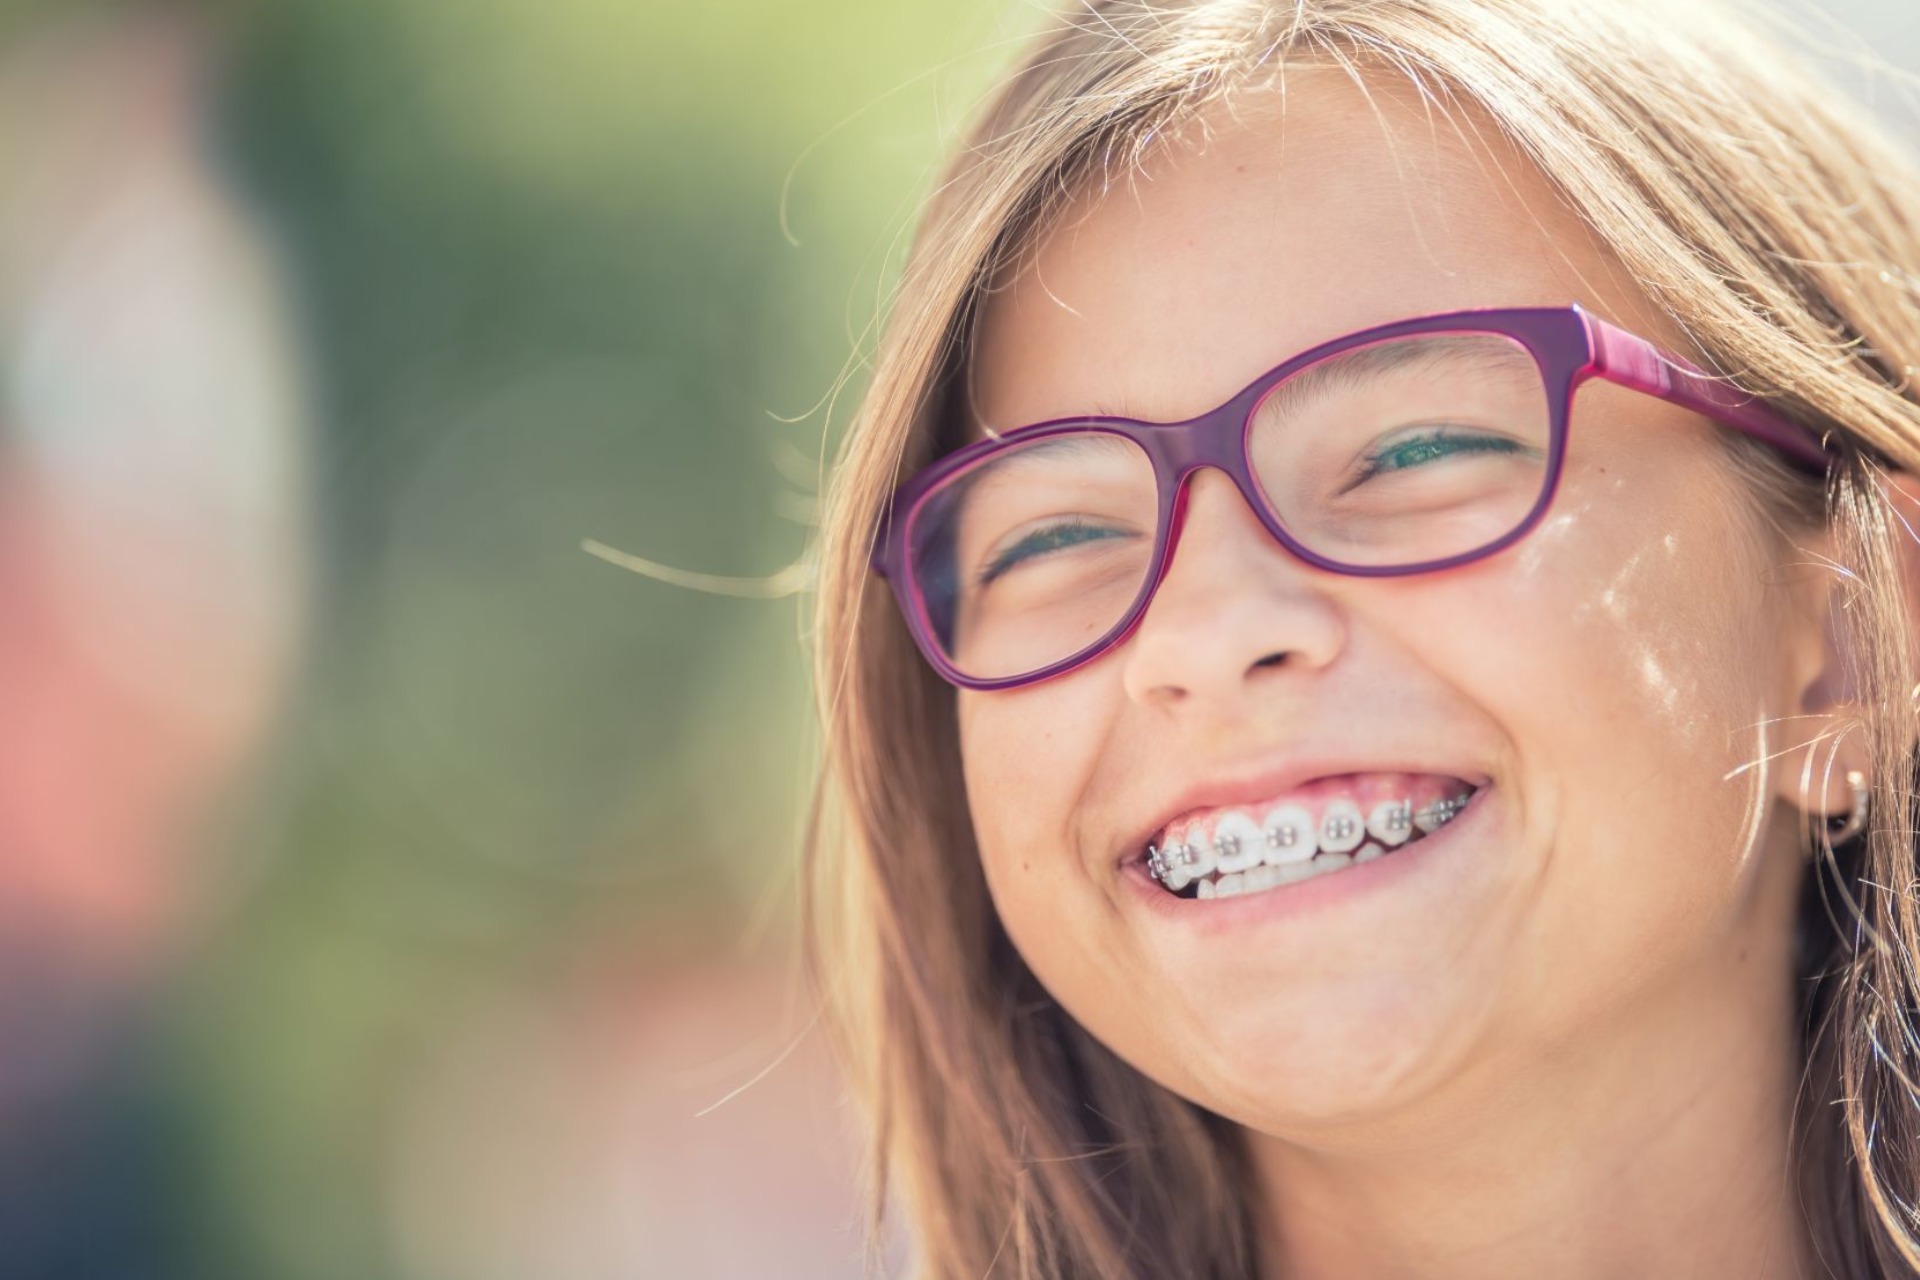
1326 891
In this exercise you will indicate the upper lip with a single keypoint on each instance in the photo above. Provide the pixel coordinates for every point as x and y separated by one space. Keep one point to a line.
1248 786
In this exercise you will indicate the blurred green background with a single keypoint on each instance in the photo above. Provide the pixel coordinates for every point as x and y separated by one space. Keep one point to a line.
578 269
510 904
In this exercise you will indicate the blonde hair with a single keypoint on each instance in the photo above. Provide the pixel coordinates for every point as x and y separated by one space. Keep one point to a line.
1771 220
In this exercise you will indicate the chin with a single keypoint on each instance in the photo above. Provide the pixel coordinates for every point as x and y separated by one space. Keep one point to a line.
1303 1065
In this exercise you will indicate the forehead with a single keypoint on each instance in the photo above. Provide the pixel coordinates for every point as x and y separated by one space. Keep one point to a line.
1289 215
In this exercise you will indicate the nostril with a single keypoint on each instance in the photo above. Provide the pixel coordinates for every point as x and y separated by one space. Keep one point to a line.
1272 659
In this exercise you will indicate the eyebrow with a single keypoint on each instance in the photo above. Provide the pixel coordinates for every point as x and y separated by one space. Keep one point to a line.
1344 369
1490 352
1088 446
1097 456
1099 409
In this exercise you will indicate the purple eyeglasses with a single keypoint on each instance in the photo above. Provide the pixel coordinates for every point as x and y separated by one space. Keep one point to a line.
1405 448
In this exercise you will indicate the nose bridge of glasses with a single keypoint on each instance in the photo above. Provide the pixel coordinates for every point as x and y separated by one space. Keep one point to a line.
1181 450
1213 439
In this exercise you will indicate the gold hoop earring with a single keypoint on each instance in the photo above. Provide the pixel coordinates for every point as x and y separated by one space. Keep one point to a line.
1856 819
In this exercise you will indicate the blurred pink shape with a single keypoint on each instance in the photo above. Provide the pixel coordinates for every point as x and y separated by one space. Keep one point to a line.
153 513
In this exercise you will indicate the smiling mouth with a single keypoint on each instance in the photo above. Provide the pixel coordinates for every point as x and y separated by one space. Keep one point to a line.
1290 843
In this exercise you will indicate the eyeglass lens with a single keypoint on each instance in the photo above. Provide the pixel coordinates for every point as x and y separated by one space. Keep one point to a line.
1398 453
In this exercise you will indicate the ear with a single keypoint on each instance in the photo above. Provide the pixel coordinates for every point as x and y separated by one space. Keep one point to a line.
1825 737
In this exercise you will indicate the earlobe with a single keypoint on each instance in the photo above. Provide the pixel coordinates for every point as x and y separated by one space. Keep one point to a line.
1817 741
1824 763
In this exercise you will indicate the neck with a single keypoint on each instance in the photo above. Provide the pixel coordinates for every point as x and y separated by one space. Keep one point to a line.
1658 1149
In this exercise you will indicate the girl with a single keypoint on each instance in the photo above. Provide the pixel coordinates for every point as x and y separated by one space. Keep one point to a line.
1366 650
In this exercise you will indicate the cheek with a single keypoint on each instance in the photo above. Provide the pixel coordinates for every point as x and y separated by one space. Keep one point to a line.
1026 755
1030 759
1648 643
1635 677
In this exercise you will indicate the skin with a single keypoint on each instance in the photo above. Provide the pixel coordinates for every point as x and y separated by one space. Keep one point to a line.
1566 1048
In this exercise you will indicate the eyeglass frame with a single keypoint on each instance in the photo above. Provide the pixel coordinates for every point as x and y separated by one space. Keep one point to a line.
1569 344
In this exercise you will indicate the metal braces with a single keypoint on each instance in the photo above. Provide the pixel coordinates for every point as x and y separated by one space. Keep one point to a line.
1160 862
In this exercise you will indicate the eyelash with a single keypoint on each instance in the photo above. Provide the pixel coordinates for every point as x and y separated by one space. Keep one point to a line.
1435 443
1027 547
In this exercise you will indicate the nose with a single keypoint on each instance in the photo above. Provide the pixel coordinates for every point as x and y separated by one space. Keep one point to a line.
1235 608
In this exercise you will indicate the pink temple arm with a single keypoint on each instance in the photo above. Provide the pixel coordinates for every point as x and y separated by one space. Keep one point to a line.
1619 356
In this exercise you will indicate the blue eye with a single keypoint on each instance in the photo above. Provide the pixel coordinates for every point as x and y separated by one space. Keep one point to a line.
1414 451
1054 537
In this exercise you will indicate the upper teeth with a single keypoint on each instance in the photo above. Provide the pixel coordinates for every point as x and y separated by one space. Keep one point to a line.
1341 827
1290 835
1440 811
1390 822
1238 843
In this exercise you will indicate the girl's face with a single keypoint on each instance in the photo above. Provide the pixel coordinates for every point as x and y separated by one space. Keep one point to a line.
1602 683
